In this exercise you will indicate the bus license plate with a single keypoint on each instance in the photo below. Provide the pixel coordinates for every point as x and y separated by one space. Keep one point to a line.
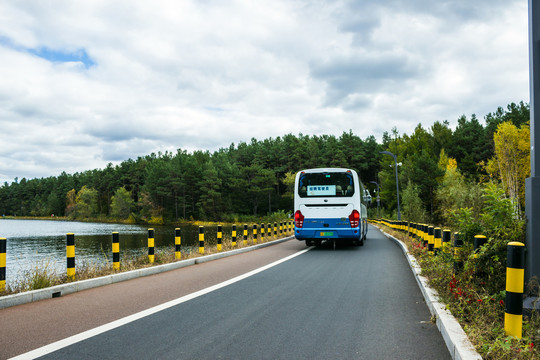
327 233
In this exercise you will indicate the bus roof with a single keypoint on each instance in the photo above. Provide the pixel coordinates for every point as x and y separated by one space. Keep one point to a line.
326 170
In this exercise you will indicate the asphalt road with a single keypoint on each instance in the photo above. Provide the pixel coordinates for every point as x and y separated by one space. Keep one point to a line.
348 303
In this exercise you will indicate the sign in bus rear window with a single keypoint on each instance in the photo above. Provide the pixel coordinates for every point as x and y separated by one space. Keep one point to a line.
324 190
335 184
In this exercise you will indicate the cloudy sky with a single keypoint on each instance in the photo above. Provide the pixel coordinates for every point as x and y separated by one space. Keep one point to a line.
85 83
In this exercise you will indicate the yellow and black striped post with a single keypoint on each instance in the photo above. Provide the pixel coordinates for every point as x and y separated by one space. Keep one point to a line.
178 243
515 268
281 229
431 240
151 253
201 240
245 234
437 239
70 254
262 232
425 236
458 259
269 230
479 241
254 233
219 236
275 230
116 250
3 260
233 239
446 241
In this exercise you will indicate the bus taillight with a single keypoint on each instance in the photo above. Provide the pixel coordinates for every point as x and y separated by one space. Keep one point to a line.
354 218
298 219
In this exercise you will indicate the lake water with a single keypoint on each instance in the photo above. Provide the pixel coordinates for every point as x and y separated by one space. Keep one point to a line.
33 243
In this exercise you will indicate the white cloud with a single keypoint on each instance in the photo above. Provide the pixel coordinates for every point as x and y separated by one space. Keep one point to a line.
143 77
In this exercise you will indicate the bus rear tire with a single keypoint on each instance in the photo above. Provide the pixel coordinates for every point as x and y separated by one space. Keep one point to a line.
309 242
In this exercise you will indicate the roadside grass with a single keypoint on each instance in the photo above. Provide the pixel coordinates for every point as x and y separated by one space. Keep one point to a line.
478 305
43 273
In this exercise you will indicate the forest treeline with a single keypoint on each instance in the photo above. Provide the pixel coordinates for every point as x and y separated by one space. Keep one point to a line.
256 178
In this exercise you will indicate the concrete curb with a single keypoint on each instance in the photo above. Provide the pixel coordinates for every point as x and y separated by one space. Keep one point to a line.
456 340
69 288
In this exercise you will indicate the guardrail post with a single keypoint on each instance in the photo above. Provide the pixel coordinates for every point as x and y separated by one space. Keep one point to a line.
269 230
254 233
201 240
446 241
116 250
3 261
262 232
281 229
479 241
70 254
245 234
431 241
425 237
233 240
458 260
151 253
219 237
275 230
178 243
437 236
515 274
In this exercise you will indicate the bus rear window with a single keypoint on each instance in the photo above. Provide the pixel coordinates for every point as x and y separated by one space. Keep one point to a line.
335 184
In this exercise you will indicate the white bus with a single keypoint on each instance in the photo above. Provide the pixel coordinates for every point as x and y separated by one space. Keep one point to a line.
329 205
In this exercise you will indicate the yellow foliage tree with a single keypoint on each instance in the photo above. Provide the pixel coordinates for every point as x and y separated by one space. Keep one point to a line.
451 165
511 163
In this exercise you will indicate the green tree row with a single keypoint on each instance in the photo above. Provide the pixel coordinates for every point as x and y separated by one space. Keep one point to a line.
248 179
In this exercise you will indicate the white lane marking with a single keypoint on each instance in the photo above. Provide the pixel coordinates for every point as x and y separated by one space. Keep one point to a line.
47 349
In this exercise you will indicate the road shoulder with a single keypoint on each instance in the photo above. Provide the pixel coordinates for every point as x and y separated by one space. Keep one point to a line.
456 340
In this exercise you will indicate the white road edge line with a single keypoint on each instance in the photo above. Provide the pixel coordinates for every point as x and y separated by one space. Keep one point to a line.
47 349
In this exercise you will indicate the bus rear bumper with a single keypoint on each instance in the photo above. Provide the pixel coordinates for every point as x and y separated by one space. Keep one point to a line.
326 233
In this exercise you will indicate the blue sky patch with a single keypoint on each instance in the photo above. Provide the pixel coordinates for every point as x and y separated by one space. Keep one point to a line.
52 55
61 56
